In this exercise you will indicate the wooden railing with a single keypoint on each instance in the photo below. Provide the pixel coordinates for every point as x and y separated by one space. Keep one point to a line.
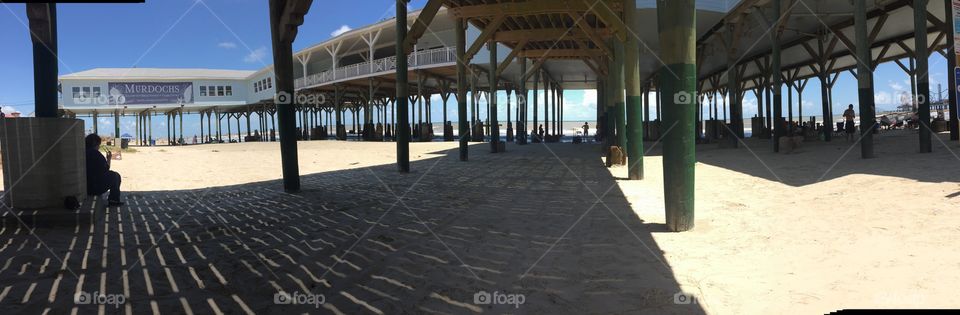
420 58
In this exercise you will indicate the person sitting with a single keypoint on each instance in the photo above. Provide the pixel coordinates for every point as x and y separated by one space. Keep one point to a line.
914 121
885 122
100 178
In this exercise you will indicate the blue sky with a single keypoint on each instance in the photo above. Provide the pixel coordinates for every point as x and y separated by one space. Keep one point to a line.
234 34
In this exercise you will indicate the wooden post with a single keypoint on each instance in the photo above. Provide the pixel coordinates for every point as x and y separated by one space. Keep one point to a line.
678 79
865 79
462 121
952 72
775 71
283 26
43 31
634 102
923 76
403 134
492 99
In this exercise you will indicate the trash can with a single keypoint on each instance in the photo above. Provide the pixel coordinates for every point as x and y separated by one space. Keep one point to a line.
124 143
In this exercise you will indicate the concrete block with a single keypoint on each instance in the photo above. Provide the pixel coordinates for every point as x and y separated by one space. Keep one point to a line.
43 161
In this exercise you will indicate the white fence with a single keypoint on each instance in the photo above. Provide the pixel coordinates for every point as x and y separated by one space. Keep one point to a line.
420 58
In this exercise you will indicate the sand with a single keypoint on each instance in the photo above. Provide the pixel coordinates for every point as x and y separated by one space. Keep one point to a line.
201 166
788 234
810 232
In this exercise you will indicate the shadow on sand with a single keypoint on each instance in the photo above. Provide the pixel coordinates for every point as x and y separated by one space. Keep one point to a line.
820 161
370 240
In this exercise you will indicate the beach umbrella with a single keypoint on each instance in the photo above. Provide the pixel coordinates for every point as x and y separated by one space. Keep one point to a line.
126 136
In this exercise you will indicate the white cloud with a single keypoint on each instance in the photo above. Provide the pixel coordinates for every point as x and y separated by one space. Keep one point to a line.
8 109
227 45
896 86
256 55
883 98
343 29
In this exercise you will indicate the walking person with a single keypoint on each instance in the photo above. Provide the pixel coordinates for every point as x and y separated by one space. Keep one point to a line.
848 116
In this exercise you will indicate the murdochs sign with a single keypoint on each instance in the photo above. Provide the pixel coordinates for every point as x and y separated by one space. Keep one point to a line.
139 93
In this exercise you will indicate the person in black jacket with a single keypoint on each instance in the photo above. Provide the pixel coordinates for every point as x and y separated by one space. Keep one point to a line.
100 178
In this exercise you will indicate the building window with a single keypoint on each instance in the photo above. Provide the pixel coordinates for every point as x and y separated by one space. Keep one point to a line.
86 92
96 92
76 92
256 86
269 83
203 90
220 91
229 90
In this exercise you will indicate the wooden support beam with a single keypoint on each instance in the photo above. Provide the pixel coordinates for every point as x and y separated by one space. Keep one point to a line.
513 54
596 39
291 17
43 32
592 66
561 53
536 67
531 7
485 36
610 17
547 34
419 27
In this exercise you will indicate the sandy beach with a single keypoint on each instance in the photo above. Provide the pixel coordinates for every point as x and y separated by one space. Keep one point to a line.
772 230
810 232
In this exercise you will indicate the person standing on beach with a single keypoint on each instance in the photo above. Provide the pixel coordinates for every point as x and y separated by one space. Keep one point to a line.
100 178
848 116
586 129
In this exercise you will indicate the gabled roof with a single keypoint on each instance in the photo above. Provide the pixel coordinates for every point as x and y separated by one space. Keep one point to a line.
159 74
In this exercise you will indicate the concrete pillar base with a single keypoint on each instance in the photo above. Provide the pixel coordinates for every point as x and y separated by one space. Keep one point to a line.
43 162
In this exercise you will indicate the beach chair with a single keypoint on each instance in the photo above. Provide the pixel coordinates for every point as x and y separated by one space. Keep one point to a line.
840 129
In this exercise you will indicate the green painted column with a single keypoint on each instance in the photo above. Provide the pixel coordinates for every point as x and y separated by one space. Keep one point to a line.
864 80
825 96
536 92
777 80
736 103
462 121
619 106
923 77
609 110
678 83
547 91
522 104
951 77
634 101
403 134
492 99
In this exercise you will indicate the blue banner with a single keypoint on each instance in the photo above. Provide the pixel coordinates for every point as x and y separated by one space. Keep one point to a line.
142 93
